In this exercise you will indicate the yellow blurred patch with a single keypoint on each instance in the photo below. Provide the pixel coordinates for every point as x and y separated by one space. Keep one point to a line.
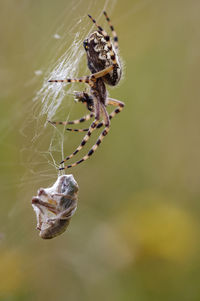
53 202
157 228
11 275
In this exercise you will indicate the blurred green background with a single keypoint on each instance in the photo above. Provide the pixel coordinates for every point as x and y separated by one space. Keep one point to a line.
135 235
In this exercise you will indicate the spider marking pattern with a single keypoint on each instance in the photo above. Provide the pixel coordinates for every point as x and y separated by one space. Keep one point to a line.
104 64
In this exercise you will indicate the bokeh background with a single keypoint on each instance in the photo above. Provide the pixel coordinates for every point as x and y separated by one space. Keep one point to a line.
135 235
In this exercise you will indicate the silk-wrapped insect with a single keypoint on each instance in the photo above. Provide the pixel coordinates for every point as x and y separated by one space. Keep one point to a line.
54 206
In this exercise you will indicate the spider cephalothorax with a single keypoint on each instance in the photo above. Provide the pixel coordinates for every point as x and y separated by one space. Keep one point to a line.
104 64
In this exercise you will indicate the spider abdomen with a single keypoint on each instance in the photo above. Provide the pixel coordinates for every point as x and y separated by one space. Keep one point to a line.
99 58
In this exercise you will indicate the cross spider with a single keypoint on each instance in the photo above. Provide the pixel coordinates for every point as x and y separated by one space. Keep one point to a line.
103 62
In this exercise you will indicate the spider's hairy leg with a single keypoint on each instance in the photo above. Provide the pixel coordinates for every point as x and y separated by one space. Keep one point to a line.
84 141
92 127
77 121
111 101
99 27
116 103
77 130
115 37
92 150
102 72
101 108
85 79
105 115
120 105
90 79
107 38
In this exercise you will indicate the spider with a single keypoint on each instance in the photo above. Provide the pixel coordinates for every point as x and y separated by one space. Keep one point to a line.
104 64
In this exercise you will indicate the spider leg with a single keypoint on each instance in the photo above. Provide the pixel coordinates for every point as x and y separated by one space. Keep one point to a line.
92 150
77 121
113 31
91 129
115 103
120 105
111 101
98 142
107 38
105 115
85 79
90 79
99 107
84 141
77 130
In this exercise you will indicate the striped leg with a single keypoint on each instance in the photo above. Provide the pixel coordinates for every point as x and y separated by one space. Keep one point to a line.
85 79
91 129
77 130
84 141
107 38
92 150
115 102
113 31
77 121
120 105
90 79
111 101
